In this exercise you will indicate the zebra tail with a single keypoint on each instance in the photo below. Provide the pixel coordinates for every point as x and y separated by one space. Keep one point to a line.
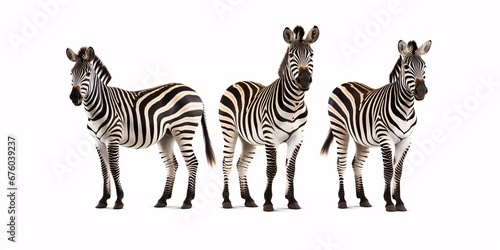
328 142
209 152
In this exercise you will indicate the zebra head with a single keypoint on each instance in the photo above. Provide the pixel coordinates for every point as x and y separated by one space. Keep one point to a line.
81 73
299 55
414 66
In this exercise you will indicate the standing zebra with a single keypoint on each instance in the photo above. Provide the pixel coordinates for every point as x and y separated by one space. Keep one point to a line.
382 117
269 115
137 119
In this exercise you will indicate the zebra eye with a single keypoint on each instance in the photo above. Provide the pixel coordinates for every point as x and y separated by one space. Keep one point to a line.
406 66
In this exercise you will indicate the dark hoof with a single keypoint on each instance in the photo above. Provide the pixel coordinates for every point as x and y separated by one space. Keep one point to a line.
365 203
186 205
293 205
227 204
118 205
250 203
342 204
102 204
161 204
268 207
401 207
390 208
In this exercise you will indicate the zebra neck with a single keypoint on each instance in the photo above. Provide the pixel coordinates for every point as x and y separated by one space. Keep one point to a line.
96 100
402 103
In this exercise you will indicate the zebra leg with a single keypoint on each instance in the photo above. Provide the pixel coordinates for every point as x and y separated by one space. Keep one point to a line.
342 139
192 166
401 149
292 153
168 157
113 150
230 138
248 152
102 151
271 173
357 165
388 173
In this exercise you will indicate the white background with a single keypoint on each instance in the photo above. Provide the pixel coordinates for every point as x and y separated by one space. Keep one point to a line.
450 182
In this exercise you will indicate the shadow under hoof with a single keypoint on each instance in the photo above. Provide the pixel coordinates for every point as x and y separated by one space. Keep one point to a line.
250 204
294 205
161 204
268 207
227 204
390 208
186 206
365 204
118 206
401 208
342 205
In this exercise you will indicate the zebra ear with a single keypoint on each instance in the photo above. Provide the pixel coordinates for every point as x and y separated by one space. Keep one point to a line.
72 56
313 35
403 48
89 54
422 50
288 35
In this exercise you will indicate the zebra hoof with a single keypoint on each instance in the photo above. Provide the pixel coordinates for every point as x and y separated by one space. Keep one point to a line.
227 204
342 204
294 205
186 205
365 203
118 205
250 203
102 204
268 207
161 204
390 208
401 207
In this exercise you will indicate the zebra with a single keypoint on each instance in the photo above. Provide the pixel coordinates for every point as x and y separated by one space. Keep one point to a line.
269 115
382 117
137 119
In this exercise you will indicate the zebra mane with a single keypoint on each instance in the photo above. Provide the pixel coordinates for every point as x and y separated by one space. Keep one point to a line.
299 33
395 71
99 67
283 64
412 47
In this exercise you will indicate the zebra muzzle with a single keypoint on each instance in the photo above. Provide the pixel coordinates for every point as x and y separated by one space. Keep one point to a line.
75 96
304 80
420 89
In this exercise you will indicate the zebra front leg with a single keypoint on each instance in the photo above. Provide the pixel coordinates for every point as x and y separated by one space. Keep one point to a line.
248 152
357 165
292 153
271 173
401 149
113 153
103 156
388 172
168 157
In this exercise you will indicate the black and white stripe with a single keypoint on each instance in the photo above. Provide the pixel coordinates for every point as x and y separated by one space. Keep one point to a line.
382 117
138 119
268 116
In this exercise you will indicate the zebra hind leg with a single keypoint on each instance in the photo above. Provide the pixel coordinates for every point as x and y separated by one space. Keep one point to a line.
192 167
230 138
342 140
357 165
248 152
167 155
